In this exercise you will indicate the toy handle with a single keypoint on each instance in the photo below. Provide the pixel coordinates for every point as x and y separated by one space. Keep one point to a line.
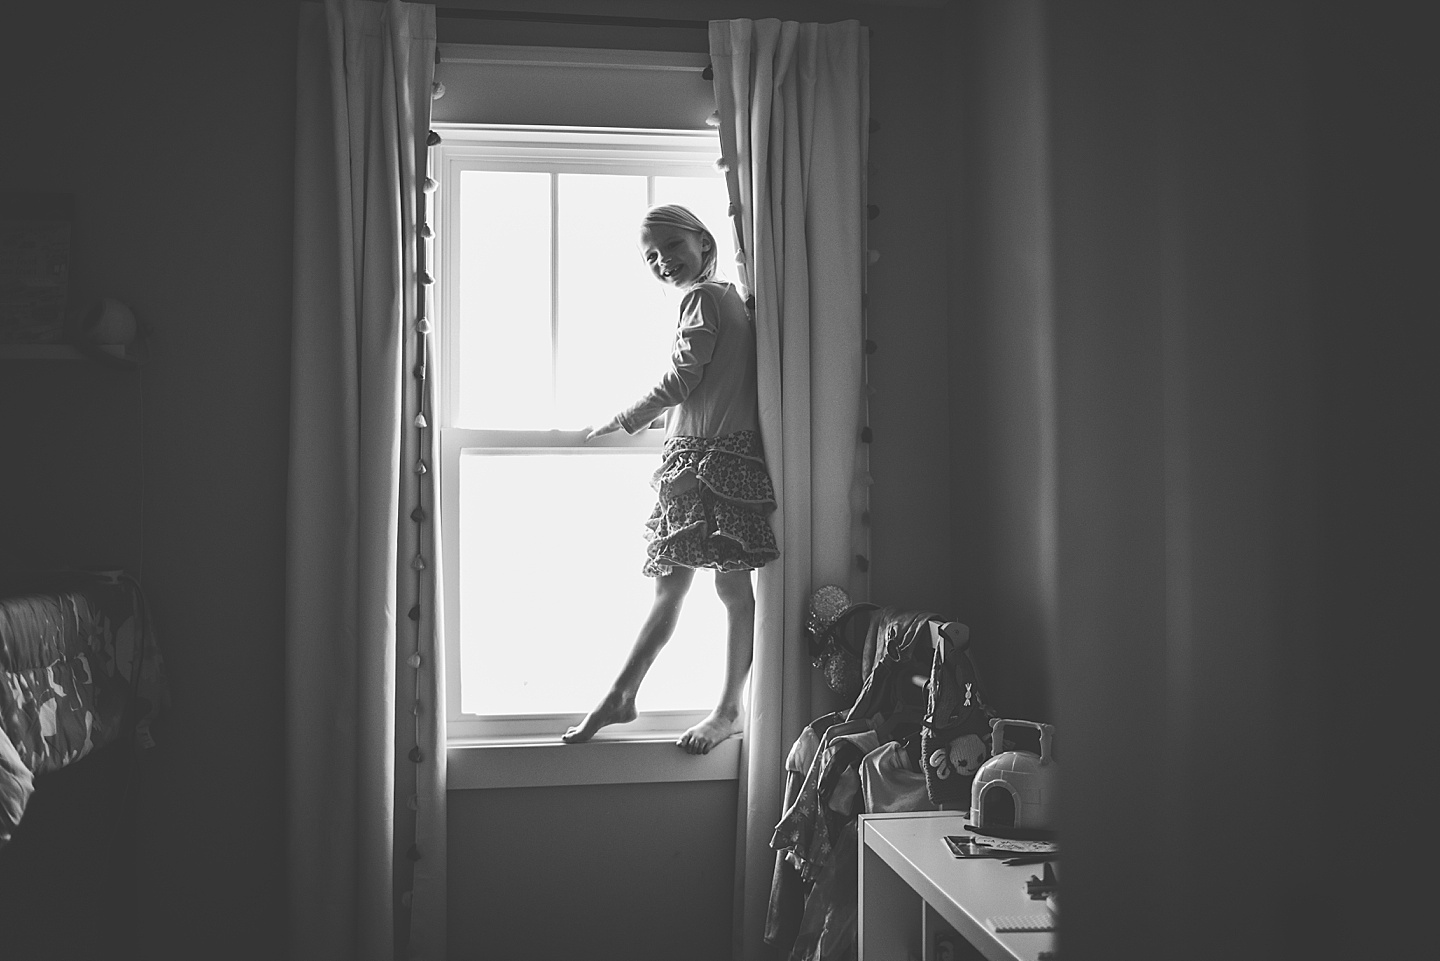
997 736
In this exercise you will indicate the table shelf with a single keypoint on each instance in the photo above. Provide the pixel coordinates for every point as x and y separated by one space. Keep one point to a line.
909 881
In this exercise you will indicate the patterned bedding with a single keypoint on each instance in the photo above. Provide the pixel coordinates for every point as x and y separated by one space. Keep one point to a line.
78 669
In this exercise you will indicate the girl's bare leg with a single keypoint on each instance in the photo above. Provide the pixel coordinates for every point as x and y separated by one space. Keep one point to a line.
738 597
618 706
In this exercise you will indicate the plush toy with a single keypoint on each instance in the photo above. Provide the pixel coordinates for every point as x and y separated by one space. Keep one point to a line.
963 756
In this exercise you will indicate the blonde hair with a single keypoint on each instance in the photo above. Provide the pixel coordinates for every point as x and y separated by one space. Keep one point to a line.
674 215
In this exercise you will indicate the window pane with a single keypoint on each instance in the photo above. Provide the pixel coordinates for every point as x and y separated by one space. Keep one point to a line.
615 321
503 283
551 594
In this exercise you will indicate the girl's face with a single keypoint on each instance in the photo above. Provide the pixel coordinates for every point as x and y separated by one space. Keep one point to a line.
674 255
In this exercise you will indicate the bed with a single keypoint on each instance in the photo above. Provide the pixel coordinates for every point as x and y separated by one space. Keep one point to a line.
79 671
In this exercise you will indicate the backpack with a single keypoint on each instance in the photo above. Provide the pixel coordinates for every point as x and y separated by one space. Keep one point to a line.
919 690
893 693
955 736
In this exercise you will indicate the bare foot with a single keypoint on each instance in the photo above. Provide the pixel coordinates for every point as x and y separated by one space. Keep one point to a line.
615 709
711 731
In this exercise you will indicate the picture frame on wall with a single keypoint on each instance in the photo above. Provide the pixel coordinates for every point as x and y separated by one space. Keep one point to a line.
35 235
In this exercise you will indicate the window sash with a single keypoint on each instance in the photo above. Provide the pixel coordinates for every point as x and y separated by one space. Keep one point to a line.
454 445
554 151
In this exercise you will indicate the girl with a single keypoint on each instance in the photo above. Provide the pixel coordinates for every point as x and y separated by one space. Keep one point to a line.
714 490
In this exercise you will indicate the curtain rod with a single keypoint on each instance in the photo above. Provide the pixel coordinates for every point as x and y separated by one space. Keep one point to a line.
464 13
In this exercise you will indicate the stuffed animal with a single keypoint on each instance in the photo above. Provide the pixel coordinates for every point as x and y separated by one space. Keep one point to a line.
962 757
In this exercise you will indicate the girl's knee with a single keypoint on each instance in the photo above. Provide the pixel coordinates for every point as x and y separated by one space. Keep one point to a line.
675 585
734 588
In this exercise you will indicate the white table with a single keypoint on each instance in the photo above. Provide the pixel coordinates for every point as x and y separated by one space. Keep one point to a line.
911 886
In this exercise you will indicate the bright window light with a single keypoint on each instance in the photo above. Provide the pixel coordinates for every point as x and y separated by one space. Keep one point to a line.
502 313
572 528
551 323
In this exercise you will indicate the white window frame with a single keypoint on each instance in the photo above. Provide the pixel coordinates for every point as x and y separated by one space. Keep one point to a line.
553 150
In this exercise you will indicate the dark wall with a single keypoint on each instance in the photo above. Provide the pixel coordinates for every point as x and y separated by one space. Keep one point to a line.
171 124
1372 198
1192 260
636 871
1002 366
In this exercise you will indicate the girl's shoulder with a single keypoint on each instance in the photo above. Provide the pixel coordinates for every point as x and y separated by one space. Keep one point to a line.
719 292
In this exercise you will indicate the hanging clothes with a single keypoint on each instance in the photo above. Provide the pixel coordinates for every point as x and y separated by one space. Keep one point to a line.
808 827
787 892
821 806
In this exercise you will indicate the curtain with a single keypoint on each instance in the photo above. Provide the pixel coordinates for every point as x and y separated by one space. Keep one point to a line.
364 793
793 102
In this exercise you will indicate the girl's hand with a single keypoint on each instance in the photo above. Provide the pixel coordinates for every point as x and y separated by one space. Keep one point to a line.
607 428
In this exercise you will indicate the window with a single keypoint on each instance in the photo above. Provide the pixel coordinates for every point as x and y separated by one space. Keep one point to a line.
548 322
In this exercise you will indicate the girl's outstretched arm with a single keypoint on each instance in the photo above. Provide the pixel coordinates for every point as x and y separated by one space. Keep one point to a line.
609 427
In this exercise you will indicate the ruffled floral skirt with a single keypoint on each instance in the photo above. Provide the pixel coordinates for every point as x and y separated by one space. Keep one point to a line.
714 500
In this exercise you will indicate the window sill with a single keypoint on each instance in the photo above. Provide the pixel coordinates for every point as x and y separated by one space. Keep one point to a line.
610 758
